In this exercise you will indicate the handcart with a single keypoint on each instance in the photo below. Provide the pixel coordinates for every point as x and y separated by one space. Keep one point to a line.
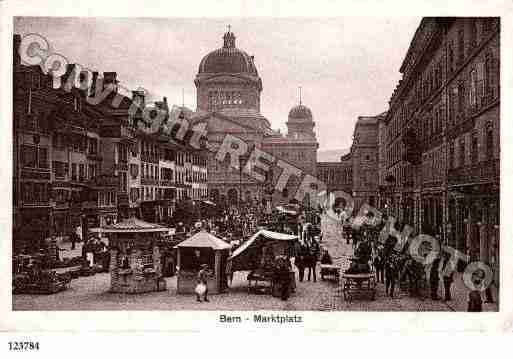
362 285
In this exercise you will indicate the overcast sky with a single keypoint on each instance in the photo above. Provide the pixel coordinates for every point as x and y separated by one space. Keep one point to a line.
347 67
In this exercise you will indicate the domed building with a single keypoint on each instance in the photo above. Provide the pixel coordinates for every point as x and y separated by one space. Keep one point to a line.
228 90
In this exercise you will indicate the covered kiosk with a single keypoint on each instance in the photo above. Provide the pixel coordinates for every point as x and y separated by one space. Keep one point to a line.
202 248
135 259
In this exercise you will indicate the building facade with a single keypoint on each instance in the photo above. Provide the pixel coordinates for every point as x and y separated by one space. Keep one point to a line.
228 89
441 136
338 176
78 164
358 171
364 156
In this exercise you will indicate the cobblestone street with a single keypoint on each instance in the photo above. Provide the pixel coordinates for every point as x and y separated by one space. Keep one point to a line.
92 293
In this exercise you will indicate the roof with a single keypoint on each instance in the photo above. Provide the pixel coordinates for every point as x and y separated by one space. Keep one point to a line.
300 112
228 59
204 240
131 225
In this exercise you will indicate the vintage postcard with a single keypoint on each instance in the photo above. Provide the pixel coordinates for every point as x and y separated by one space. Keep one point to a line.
256 171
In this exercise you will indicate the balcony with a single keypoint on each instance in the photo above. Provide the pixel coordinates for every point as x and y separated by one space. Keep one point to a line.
485 171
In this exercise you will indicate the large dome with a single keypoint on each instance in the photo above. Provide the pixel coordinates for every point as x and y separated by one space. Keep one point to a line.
228 59
300 112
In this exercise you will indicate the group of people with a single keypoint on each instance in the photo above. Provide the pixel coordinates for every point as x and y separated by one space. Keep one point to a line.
392 268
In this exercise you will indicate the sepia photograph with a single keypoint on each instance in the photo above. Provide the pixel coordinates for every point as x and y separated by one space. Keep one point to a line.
272 165
256 164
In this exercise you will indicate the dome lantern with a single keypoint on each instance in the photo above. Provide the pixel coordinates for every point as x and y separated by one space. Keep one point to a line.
229 39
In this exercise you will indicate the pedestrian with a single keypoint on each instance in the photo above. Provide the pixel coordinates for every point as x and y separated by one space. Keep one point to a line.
412 270
447 276
202 285
390 275
283 277
434 279
313 252
299 261
475 303
325 259
356 238
379 266
73 240
488 290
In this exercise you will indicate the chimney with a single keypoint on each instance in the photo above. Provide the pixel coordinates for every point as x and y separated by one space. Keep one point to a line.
16 50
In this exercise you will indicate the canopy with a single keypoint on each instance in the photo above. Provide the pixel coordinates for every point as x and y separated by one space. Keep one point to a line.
204 240
244 257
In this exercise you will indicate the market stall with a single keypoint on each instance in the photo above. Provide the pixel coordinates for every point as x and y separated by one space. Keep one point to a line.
202 248
258 255
135 260
31 277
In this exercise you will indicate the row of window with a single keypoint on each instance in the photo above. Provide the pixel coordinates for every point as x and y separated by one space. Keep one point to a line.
481 85
79 171
467 153
106 198
474 148
152 153
481 81
292 155
224 98
432 169
35 193
148 193
34 156
76 143
336 175
149 171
